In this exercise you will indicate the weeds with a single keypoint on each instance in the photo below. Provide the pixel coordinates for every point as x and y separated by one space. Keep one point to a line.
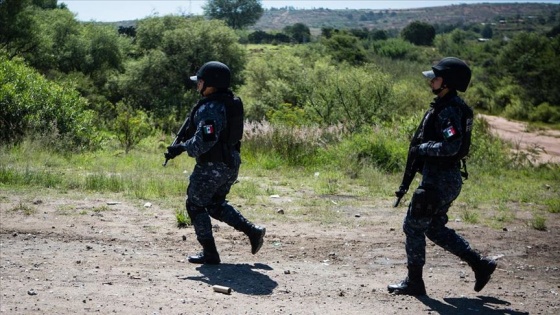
469 216
538 223
553 205
25 209
367 164
183 219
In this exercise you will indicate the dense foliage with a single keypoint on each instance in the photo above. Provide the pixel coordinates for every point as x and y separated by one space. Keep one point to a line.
360 79
419 33
31 106
237 13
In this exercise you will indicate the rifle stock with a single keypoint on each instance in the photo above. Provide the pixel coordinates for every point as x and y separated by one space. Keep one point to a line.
179 137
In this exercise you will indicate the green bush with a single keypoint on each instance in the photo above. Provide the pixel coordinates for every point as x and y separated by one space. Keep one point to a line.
31 106
130 126
545 113
394 48
487 151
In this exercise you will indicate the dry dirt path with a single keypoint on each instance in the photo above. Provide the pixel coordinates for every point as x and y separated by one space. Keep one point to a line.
130 260
545 143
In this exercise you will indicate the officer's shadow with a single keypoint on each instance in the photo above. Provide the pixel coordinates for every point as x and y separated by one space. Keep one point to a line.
241 278
482 305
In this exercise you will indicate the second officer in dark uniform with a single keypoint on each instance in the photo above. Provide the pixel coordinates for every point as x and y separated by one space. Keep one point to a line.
213 137
442 139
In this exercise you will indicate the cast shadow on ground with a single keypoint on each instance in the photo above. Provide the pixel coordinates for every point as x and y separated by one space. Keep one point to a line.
482 305
241 278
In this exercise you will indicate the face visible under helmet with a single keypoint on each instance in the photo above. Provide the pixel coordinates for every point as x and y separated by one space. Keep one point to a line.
215 74
455 72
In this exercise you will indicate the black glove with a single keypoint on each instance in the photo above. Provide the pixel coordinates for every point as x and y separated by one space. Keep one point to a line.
174 150
401 192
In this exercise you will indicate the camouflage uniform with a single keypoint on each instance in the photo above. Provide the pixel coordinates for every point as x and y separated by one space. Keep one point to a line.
441 174
442 139
210 181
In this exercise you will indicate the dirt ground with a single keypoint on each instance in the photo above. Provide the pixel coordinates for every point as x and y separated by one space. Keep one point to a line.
125 258
543 145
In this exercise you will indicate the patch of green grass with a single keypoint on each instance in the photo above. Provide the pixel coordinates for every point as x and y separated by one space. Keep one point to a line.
469 216
25 209
538 223
327 186
183 219
553 205
503 214
100 209
248 190
351 183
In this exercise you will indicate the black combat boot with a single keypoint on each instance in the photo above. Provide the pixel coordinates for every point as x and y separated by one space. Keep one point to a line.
209 254
482 267
411 285
228 214
256 237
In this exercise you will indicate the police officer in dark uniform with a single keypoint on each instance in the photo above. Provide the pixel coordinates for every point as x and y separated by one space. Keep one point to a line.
442 138
213 136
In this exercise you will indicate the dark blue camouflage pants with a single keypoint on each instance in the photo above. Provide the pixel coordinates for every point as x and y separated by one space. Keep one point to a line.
447 184
206 197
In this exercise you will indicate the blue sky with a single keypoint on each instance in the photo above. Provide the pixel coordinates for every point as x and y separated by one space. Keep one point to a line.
119 10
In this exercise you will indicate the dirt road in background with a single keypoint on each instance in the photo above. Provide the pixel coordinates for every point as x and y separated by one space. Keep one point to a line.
545 143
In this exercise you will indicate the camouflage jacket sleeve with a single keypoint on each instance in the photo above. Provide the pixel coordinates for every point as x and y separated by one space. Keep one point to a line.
449 130
210 120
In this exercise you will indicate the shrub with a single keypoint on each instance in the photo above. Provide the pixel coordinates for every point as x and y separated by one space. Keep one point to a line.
545 113
131 126
31 106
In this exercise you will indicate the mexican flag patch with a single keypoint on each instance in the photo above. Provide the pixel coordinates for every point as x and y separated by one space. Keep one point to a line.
449 132
208 129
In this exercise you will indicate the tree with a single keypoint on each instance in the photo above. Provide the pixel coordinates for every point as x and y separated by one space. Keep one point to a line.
487 31
172 49
236 13
345 47
17 27
379 35
131 126
533 61
299 32
419 33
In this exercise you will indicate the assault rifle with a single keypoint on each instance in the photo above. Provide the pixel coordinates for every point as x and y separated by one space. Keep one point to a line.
413 165
179 137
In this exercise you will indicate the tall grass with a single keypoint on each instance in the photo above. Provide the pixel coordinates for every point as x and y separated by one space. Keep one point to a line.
310 161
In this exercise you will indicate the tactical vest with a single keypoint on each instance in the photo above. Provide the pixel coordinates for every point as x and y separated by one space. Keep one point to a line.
230 137
432 131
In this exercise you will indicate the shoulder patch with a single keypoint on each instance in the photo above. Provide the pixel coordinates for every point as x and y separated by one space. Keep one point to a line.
449 132
209 131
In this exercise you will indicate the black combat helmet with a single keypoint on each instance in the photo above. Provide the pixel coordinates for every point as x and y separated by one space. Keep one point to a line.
455 72
214 73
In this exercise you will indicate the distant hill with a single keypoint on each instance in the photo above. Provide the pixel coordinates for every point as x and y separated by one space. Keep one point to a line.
315 19
276 19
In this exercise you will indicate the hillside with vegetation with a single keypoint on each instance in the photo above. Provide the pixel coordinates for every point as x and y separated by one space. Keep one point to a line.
511 14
